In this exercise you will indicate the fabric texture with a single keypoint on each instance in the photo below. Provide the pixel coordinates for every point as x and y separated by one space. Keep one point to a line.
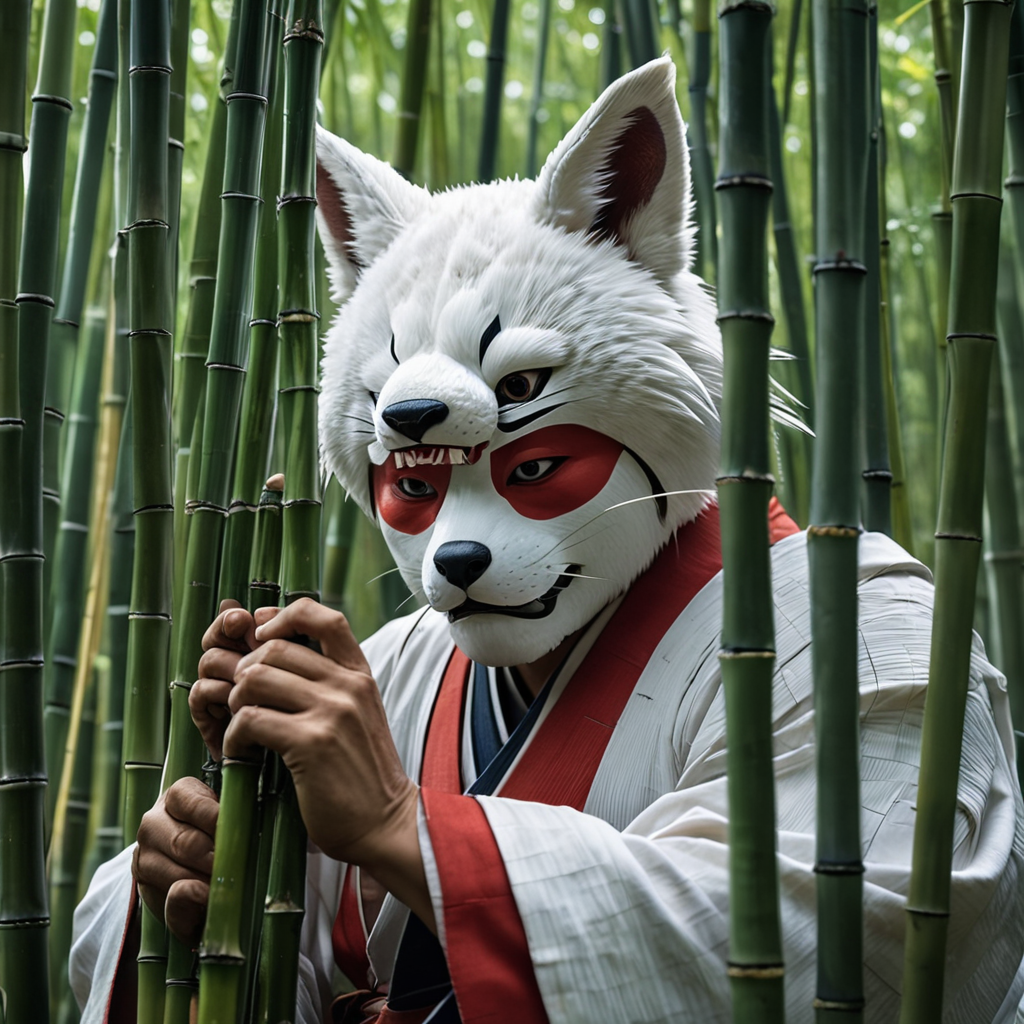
624 904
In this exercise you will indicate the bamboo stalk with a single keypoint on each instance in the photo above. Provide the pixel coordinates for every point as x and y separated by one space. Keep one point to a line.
24 916
68 837
149 628
796 446
976 201
1003 561
297 322
641 31
537 92
259 393
876 474
745 483
440 169
180 40
414 78
69 546
493 89
611 44
842 129
225 371
706 251
22 778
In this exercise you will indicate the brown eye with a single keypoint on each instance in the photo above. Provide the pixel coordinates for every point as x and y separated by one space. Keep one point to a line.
521 385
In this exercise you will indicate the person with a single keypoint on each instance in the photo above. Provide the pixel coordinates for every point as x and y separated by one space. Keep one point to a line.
516 796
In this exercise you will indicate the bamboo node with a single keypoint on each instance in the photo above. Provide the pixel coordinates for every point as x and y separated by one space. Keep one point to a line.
225 366
162 69
844 1006
299 387
241 195
283 201
26 922
840 264
259 98
305 30
746 477
176 144
152 508
257 323
760 181
14 141
976 336
728 655
746 314
762 972
922 912
195 505
958 536
43 300
154 616
57 101
837 867
11 421
877 474
297 316
1004 556
833 531
976 195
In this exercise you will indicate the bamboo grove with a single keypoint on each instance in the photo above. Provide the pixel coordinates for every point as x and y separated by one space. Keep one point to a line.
161 299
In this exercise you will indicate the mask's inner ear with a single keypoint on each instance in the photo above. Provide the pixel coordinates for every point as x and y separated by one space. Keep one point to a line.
632 172
334 215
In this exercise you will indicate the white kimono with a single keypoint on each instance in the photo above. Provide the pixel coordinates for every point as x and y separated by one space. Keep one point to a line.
624 905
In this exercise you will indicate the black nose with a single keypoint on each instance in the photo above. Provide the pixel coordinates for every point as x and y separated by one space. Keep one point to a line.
416 417
462 562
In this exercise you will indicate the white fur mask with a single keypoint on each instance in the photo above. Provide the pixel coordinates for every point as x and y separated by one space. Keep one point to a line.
522 386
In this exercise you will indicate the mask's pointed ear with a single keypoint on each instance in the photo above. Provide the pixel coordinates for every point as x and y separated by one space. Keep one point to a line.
362 204
623 172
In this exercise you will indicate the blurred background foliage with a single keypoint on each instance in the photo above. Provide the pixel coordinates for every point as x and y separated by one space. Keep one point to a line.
360 96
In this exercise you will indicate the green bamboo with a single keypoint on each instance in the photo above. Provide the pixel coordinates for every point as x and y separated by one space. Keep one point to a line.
190 359
22 885
180 40
942 216
977 167
1011 352
876 474
706 252
745 483
796 373
71 555
66 861
51 116
64 331
842 128
24 916
1003 560
265 567
341 516
1013 358
414 79
611 44
257 414
440 175
901 523
641 31
225 372
792 42
297 321
494 84
69 544
537 92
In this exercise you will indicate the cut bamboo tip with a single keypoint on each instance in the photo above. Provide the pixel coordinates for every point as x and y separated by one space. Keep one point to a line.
275 482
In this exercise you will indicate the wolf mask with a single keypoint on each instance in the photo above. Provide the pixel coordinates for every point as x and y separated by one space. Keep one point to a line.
522 385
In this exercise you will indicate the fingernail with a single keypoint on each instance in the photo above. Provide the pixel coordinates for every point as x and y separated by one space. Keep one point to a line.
259 631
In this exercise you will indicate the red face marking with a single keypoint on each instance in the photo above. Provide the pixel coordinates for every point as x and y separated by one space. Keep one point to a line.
408 499
583 462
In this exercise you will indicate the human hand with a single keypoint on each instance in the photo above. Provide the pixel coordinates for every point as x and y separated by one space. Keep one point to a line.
174 857
323 714
230 636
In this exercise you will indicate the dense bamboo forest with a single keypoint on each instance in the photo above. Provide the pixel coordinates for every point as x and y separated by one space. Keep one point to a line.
162 296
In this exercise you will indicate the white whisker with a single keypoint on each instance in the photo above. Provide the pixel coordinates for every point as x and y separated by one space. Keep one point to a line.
386 572
652 497
582 576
